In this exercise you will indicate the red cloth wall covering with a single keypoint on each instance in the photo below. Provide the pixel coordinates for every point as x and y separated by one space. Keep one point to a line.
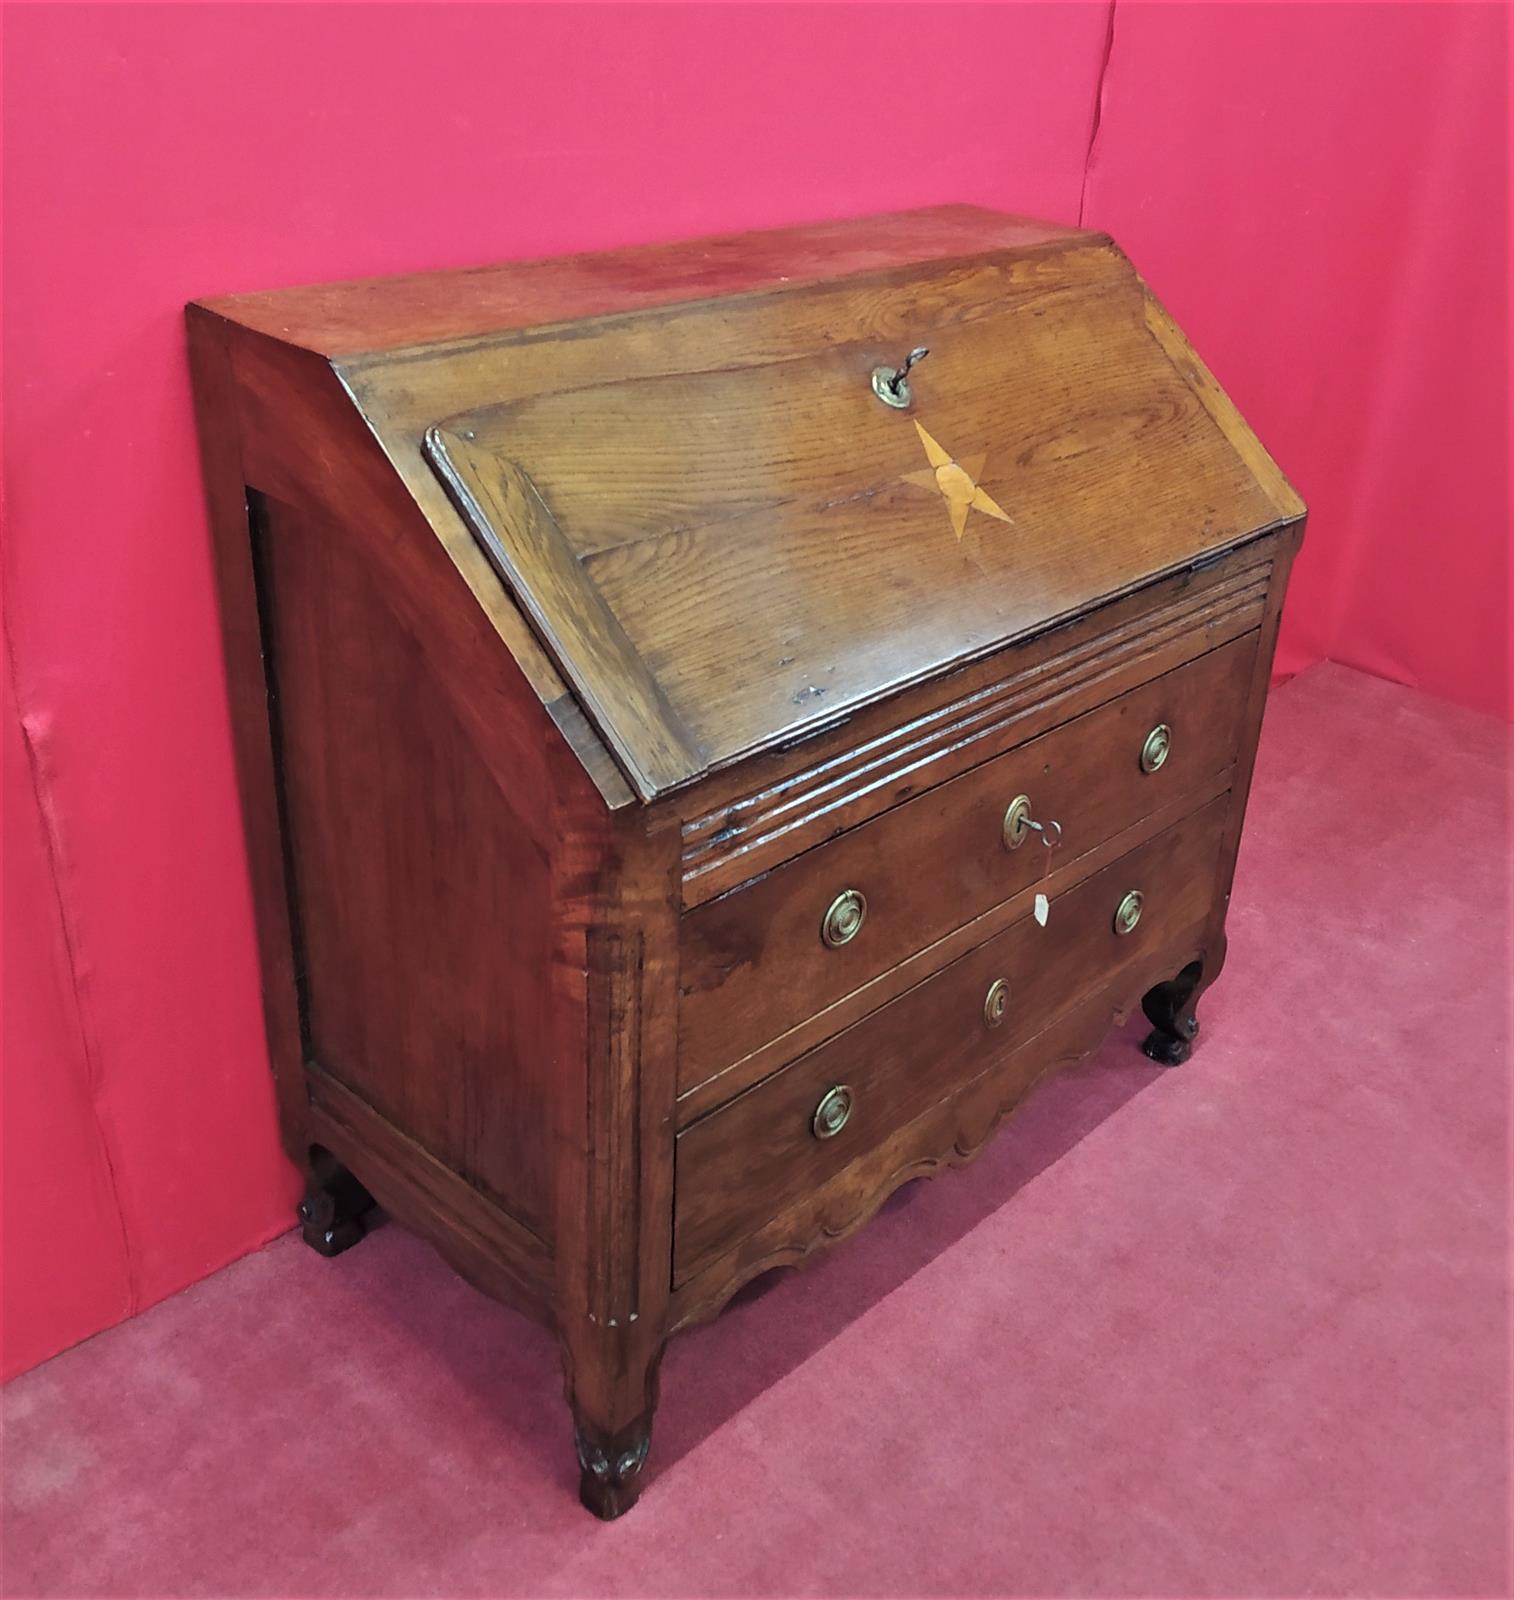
1319 194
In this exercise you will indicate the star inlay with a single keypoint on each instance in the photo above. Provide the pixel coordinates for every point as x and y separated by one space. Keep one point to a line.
956 482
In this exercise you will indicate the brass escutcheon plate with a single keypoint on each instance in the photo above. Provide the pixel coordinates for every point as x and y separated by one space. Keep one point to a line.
996 1002
884 381
1015 818
891 384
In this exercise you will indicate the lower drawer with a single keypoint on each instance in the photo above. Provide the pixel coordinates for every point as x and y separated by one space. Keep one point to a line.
746 1162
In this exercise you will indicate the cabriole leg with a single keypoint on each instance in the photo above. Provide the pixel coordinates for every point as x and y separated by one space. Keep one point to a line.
612 1390
1170 1009
609 1465
335 1205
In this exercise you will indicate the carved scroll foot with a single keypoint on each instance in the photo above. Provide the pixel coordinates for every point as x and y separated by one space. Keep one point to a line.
1169 1007
610 1466
611 1374
335 1205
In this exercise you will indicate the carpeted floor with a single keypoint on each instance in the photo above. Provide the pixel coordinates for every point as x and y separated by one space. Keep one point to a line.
1236 1329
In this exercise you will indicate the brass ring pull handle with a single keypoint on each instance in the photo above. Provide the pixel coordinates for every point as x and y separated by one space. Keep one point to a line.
996 1002
844 918
1128 912
891 384
833 1112
1155 751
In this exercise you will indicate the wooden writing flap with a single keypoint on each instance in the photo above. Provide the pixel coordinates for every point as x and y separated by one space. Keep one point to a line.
723 556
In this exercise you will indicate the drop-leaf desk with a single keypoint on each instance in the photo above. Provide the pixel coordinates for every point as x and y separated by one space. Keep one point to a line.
716 724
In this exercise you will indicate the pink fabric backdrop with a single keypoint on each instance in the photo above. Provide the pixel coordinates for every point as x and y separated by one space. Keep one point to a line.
1318 194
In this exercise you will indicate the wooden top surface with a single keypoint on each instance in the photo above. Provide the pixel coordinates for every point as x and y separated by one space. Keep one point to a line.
675 460
376 314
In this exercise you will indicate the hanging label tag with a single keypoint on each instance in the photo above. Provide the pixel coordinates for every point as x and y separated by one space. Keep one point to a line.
1042 908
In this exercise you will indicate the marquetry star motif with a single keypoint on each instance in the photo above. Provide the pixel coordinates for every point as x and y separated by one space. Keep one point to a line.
956 482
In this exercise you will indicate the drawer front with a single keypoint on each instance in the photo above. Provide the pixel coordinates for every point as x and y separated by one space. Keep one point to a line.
764 812
748 1161
766 956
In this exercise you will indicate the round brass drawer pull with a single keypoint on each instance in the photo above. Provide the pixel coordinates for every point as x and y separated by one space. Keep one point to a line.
1154 751
1128 912
832 1113
1016 822
996 1002
844 918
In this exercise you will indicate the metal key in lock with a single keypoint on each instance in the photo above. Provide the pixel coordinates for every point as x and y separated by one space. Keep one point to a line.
1041 827
1041 909
1016 821
891 384
1018 818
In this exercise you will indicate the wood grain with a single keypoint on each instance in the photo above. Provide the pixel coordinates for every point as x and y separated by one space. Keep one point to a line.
242 644
749 537
569 615
952 1133
1222 408
427 308
486 1244
923 963
753 962
757 1155
554 735
614 996
863 764
422 897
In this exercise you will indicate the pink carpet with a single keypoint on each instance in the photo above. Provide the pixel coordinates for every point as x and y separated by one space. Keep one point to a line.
1236 1329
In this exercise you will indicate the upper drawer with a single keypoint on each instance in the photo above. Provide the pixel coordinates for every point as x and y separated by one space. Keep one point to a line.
766 811
764 957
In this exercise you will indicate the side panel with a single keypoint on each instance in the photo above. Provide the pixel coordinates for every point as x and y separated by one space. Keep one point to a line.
421 893
221 454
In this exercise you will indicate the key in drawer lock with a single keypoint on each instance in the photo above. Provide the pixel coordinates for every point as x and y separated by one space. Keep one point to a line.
1128 912
844 918
996 1002
832 1113
1154 751
1019 825
1016 822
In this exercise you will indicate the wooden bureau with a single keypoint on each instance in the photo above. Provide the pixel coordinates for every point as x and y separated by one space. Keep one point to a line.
716 725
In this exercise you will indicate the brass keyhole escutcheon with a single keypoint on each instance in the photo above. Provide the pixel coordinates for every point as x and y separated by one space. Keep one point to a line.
1016 820
1128 912
891 384
844 918
832 1113
996 1002
1154 751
